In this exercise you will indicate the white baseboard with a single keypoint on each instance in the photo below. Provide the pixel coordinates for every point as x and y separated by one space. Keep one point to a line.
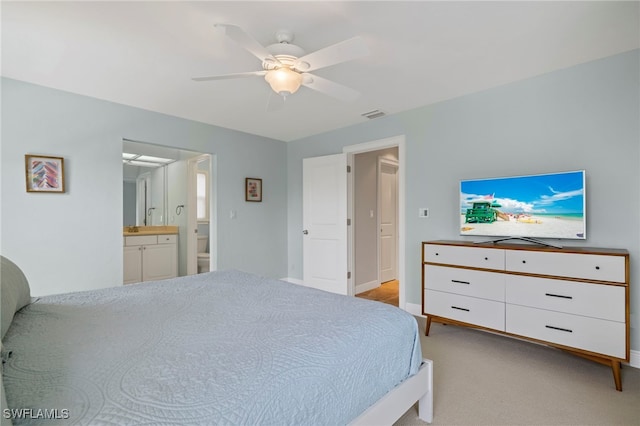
367 286
293 280
416 310
634 359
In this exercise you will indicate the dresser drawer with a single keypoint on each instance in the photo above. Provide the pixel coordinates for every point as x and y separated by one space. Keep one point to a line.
590 300
481 312
140 240
167 239
590 334
585 266
475 257
468 282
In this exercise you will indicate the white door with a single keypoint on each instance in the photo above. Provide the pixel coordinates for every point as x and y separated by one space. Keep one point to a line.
324 221
192 222
388 213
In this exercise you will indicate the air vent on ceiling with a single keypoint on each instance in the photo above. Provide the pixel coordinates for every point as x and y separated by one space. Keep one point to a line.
373 114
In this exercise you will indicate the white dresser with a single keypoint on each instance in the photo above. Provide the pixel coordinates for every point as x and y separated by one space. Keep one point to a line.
574 298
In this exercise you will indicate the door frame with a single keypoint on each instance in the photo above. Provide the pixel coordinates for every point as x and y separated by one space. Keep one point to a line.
192 222
376 145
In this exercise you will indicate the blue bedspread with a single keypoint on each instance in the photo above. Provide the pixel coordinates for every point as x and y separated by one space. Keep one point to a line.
225 348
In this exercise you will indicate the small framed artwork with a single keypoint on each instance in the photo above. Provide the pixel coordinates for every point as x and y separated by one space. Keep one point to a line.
44 174
253 189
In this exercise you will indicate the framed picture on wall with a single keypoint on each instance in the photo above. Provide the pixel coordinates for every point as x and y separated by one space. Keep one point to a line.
253 189
44 173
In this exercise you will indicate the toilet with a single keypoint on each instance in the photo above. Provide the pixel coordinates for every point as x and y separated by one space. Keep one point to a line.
203 256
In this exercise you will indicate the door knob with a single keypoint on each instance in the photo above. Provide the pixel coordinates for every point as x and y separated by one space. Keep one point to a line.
305 232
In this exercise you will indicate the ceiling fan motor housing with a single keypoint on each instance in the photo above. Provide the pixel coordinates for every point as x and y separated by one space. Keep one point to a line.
285 53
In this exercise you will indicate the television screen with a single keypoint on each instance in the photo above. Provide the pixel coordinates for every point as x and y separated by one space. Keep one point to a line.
535 206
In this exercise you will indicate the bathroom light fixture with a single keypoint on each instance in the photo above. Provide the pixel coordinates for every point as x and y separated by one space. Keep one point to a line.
144 160
284 81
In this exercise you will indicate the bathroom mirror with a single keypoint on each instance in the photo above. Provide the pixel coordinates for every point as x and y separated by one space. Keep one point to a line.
145 175
148 173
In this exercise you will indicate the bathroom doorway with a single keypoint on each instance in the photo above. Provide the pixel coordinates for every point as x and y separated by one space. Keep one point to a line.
169 185
200 256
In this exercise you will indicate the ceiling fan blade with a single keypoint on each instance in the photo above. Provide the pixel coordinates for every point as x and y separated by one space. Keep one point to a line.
346 50
329 87
230 76
239 36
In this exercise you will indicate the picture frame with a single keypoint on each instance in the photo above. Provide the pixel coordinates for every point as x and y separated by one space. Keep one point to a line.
253 189
44 173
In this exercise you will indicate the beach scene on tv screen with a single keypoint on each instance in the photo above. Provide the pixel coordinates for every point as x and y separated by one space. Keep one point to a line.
536 206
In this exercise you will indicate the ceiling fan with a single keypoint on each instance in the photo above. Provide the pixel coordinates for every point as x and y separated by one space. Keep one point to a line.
286 66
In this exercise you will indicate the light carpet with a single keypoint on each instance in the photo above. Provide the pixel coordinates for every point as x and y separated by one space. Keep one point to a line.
482 378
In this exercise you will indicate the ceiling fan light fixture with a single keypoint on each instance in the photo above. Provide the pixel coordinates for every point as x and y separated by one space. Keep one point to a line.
284 81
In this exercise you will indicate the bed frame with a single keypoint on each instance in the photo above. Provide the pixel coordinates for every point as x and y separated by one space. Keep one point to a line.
394 404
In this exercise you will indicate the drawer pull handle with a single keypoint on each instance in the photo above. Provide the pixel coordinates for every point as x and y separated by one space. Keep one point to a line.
486 258
460 309
524 261
597 267
460 282
437 254
558 295
559 328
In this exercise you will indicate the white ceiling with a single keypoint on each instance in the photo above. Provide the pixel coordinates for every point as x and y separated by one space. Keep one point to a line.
144 54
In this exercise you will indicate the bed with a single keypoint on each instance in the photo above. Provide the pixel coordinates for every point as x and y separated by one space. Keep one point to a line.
217 348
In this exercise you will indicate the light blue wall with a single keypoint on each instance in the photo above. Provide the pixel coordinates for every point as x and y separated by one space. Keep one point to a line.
584 117
73 241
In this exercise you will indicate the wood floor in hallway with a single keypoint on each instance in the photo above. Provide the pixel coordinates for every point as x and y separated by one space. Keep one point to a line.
386 293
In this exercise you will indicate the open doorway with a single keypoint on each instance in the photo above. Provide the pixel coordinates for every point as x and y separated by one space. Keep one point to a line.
375 243
376 206
329 258
157 191
200 254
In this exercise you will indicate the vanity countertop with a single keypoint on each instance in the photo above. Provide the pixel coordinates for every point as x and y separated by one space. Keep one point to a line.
149 230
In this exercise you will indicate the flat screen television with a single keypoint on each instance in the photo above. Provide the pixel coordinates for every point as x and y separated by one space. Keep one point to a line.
532 207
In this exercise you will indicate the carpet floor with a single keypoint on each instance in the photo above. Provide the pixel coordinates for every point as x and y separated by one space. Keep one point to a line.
482 378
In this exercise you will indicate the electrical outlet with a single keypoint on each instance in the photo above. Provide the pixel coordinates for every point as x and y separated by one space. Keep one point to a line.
423 212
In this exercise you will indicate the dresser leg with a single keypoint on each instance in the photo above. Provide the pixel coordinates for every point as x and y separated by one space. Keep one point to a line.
426 331
615 367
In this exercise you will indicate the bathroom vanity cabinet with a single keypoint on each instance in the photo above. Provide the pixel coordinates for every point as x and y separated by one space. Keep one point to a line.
150 257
